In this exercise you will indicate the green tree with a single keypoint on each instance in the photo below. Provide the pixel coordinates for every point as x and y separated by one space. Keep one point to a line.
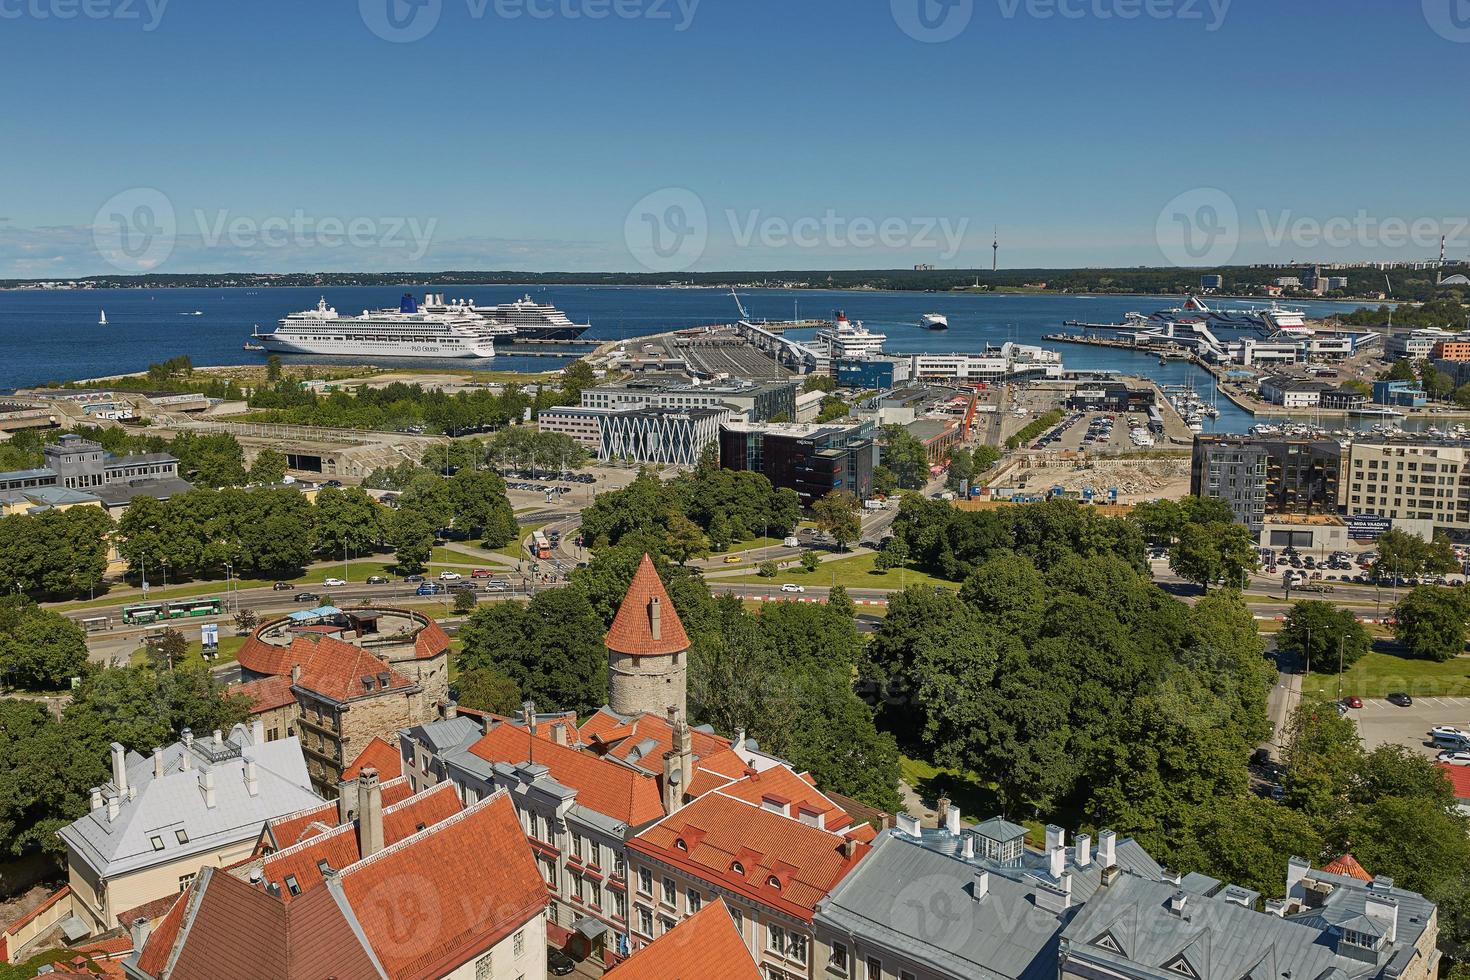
46 770
488 689
1323 755
269 468
809 561
1244 840
348 521
961 470
1401 370
767 569
885 484
1430 622
819 382
39 649
684 539
1320 631
551 648
273 368
411 534
838 514
838 602
904 456
166 649
1215 552
464 602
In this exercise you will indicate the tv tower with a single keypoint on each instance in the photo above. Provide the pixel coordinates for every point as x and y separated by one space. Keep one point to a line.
995 251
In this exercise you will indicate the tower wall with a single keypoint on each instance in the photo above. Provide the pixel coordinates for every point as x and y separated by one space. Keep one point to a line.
646 684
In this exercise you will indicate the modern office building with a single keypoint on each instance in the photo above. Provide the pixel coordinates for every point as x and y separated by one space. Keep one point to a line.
872 373
1232 469
1293 392
661 436
1257 477
813 460
1403 394
754 401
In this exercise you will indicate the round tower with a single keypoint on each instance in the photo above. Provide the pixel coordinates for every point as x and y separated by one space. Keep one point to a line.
647 649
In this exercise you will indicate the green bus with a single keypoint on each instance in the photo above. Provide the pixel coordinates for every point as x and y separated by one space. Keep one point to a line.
152 612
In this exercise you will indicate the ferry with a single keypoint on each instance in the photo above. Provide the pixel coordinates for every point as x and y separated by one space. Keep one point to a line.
934 321
846 338
405 332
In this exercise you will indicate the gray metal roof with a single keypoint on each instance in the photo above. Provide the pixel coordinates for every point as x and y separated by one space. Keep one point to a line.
448 733
157 807
114 494
1000 830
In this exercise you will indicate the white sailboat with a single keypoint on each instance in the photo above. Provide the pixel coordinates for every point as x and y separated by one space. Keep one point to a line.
102 320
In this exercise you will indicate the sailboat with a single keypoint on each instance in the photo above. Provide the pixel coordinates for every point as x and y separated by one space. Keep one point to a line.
102 321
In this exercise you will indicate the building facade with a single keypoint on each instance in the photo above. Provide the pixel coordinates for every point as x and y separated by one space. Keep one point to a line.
1259 477
661 436
1421 485
1231 469
813 460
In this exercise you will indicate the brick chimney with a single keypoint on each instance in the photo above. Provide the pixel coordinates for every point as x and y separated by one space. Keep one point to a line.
528 716
559 733
252 784
157 762
369 813
140 929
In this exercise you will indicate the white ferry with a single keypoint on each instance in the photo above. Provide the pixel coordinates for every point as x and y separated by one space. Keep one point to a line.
405 332
848 339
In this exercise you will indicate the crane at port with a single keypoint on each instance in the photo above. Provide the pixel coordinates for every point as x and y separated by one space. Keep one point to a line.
744 314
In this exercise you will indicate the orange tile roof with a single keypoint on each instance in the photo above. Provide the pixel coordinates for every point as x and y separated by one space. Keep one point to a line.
782 784
717 830
1459 777
266 694
160 944
337 670
704 946
151 911
632 627
608 734
1348 865
377 754
293 828
601 785
425 909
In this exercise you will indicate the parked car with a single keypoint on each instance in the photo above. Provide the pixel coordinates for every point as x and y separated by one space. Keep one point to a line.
497 586
334 581
1460 758
376 580
414 579
428 588
450 576
333 483
307 597
462 587
1353 701
732 559
480 573
282 587
1401 699
558 963
793 587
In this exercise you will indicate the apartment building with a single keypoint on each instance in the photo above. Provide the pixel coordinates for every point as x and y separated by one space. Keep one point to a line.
1420 485
1260 476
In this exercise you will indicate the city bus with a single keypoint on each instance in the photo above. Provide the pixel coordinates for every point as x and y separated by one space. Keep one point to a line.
540 547
152 612
144 612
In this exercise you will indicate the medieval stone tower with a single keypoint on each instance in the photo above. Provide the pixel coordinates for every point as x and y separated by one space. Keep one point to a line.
647 650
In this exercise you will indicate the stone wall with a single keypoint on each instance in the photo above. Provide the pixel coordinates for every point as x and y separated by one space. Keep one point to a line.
646 684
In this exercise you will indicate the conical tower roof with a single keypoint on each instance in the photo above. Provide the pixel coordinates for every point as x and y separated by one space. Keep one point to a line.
646 623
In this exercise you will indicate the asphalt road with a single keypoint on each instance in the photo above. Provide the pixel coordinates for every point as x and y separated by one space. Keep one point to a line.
1381 723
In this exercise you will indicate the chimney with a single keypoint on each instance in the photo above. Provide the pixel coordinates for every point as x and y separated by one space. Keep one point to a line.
673 783
219 739
967 848
252 785
942 811
739 744
369 813
1084 850
140 930
188 736
206 783
295 673
980 885
119 769
257 732
1277 907
849 848
256 876
1178 903
1056 860
1107 849
559 733
655 621
528 716
157 762
113 805
346 797
1108 876
1296 870
952 820
1383 907
1055 837
451 710
1173 877
908 824
96 797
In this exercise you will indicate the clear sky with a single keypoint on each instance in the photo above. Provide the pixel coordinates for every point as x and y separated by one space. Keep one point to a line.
210 135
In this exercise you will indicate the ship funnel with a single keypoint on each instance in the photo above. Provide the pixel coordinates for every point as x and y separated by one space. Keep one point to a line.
408 304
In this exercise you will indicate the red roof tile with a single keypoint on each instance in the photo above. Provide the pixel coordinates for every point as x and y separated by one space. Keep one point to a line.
783 784
601 785
704 946
151 911
160 943
425 909
1459 777
716 829
266 694
261 657
632 627
377 754
1349 866
343 672
607 734
293 828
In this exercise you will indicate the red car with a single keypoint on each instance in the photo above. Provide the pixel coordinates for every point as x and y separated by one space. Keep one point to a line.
480 573
1353 702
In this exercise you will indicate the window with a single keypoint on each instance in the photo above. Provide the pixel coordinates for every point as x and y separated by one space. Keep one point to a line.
485 967
738 918
620 867
905 975
738 868
776 939
620 905
838 960
186 881
645 922
518 943
671 893
157 842
577 846
796 948
645 881
292 885
693 901
875 968
181 835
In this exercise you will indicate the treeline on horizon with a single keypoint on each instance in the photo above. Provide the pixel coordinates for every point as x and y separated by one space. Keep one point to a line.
1410 285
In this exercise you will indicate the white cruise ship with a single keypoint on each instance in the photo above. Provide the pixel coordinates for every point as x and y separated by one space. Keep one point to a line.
405 332
434 303
533 320
847 339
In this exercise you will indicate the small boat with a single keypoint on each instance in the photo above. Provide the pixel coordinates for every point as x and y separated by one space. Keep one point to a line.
250 346
102 320
934 321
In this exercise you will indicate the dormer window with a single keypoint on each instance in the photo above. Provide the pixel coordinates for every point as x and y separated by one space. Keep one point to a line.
738 868
679 843
292 885
774 882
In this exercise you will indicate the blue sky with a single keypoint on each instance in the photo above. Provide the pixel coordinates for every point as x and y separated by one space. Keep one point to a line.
746 134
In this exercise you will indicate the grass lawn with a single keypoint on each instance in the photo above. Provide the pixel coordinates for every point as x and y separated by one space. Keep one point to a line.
1270 627
976 800
229 648
1379 674
857 572
517 548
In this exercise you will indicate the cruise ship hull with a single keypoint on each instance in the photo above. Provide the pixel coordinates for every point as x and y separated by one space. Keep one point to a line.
574 332
352 348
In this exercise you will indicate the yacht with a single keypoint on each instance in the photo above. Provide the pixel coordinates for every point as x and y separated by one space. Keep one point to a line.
934 321
404 332
102 320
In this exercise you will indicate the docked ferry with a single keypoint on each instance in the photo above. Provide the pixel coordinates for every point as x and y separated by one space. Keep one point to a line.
405 332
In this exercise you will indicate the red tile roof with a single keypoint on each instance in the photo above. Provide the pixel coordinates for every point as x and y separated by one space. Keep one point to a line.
293 828
377 754
617 791
151 911
782 784
717 831
1348 865
704 946
607 734
425 908
632 627
261 657
266 694
343 672
1459 777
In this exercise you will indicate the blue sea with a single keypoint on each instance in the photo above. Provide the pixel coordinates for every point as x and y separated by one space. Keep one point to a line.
55 335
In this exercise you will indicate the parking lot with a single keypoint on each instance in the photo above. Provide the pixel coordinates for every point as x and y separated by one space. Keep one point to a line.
1381 723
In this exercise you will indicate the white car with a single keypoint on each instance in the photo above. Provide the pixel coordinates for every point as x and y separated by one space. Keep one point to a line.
793 587
1454 758
450 576
1450 731
334 581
